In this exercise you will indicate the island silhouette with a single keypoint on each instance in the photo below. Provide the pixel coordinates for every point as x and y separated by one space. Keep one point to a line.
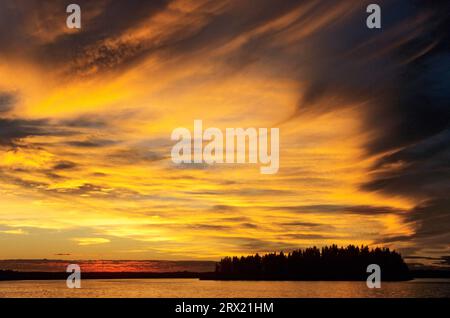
328 263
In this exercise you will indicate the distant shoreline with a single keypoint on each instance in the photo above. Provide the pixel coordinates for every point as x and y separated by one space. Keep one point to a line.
17 276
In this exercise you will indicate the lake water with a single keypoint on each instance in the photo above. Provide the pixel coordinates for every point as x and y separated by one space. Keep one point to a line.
186 288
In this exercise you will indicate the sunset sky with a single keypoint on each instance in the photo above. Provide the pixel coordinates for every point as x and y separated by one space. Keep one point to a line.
86 118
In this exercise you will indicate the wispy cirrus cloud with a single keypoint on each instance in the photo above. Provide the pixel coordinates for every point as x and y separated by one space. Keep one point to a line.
363 113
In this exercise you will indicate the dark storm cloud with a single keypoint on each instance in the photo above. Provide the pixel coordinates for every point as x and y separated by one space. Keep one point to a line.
223 208
402 94
423 169
340 209
248 225
399 78
234 219
406 102
242 16
95 190
137 154
417 120
7 101
213 227
431 221
22 182
241 192
85 122
305 236
252 245
307 225
97 46
65 165
101 20
13 130
91 143
302 224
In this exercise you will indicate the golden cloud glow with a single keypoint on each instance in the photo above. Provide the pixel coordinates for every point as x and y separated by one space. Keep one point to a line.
88 168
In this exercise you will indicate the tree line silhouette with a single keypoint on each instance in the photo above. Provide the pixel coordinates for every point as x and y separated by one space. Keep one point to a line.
328 263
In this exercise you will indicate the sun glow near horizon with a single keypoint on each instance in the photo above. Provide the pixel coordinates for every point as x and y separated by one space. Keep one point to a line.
85 152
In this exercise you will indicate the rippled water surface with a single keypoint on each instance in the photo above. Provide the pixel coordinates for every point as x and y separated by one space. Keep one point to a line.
197 288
